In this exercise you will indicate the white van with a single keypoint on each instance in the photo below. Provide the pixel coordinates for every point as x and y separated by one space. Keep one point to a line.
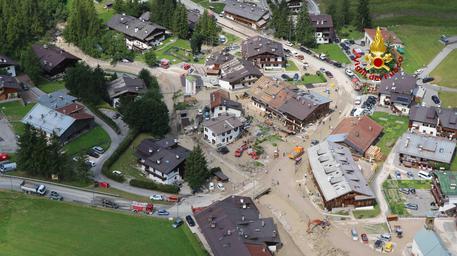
424 175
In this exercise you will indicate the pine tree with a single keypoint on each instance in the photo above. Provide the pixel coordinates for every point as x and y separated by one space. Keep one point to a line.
363 19
304 31
180 25
82 22
25 151
196 42
346 12
30 64
150 58
196 169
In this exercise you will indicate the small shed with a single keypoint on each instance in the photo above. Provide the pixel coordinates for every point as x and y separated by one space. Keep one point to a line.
221 176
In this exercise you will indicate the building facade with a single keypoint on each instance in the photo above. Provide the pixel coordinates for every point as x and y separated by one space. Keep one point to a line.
264 53
323 25
247 14
222 130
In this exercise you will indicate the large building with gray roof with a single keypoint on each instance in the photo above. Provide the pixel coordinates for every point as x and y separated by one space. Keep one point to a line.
222 130
162 160
339 179
125 86
54 122
238 74
263 52
234 226
246 13
433 120
398 92
425 151
53 60
139 33
55 100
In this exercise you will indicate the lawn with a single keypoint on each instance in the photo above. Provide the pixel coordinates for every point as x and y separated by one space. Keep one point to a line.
350 32
216 7
393 12
445 74
104 14
15 111
394 127
95 137
52 86
421 44
231 38
448 99
417 184
39 226
363 214
333 51
177 52
393 198
313 79
127 161
291 66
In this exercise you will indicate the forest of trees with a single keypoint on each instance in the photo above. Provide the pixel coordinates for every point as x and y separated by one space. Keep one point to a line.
26 21
40 156
86 83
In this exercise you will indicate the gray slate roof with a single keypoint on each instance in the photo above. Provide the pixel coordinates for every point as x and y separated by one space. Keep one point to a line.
125 84
245 10
237 69
6 62
336 171
430 243
423 114
55 100
51 56
134 27
48 120
223 124
163 155
256 45
230 226
400 87
427 147
321 21
9 82
219 58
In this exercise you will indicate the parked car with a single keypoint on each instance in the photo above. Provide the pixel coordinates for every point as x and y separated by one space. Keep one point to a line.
328 74
117 173
178 222
427 79
55 196
349 72
337 64
190 221
289 43
285 77
116 115
296 77
388 247
98 150
364 238
398 175
404 191
211 186
220 186
355 235
424 175
163 212
378 244
322 56
223 150
435 99
411 206
92 153
109 204
314 142
410 174
156 197
4 157
386 237
90 163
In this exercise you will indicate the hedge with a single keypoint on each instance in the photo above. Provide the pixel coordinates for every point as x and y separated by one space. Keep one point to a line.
172 189
104 117
116 154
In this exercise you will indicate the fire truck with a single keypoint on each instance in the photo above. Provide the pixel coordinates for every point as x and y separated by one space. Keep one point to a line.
147 208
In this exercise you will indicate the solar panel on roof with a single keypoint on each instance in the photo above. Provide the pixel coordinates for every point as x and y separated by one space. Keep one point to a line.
403 99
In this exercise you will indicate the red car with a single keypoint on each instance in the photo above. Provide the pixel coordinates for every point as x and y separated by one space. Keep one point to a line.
364 238
4 157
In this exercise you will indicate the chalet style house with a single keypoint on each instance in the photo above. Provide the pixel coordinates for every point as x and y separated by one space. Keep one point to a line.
53 60
263 52
246 13
323 25
139 34
433 121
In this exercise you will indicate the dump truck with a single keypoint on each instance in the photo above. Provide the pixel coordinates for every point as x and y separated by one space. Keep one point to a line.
31 188
147 208
296 152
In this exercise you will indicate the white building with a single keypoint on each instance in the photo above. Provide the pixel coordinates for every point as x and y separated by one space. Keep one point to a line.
222 130
238 74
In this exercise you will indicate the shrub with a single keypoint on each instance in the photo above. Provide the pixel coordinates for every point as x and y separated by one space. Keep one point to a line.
116 154
172 189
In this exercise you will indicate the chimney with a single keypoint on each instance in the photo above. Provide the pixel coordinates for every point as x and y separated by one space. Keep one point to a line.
242 218
158 161
136 30
370 128
177 156
150 150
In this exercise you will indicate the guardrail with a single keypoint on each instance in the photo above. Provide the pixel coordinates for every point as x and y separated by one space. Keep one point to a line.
58 184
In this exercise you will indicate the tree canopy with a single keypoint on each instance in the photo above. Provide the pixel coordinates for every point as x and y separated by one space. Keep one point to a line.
207 29
180 26
86 83
162 12
82 23
196 169
304 31
363 18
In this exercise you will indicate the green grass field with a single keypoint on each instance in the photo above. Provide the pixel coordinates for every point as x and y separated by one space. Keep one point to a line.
291 66
393 198
350 32
104 14
421 44
39 226
184 50
445 74
448 99
127 161
52 86
394 127
95 137
333 51
363 214
313 79
231 38
417 184
216 7
14 112
418 12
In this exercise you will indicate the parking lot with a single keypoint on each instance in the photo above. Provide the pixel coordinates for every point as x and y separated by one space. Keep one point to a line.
364 105
423 198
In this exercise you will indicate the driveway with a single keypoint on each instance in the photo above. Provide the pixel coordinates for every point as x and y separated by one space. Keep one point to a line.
7 137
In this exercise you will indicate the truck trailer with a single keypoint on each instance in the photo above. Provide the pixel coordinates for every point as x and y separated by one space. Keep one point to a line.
31 188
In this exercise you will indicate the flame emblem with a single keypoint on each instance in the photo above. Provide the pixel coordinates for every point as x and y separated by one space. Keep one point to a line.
378 56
